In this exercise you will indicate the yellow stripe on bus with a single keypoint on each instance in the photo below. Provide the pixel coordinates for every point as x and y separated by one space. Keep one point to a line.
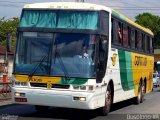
37 79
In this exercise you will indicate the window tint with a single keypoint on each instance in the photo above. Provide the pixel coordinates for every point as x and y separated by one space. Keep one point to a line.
125 36
145 38
148 43
139 39
116 31
130 37
104 22
143 42
133 39
136 40
151 47
120 32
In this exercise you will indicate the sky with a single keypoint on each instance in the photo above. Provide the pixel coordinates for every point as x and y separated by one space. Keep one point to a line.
130 8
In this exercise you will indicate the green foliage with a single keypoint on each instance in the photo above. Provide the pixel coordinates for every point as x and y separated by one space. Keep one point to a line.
153 23
8 26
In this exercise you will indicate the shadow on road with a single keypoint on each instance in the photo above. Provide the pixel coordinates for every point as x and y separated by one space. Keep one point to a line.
123 104
74 114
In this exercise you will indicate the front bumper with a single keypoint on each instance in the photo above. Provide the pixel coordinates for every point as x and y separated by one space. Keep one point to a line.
56 98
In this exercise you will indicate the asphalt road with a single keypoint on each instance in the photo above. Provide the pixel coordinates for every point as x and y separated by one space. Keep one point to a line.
126 110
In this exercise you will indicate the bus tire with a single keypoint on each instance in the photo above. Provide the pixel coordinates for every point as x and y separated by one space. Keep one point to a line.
108 101
41 108
141 92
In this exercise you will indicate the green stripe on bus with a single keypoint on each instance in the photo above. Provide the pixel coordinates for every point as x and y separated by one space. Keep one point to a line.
77 81
126 73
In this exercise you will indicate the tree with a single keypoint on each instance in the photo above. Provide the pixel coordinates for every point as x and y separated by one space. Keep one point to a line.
151 22
8 26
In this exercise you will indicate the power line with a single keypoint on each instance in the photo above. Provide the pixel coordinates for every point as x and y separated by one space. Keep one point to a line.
83 1
116 7
121 8
130 4
132 7
141 13
12 2
137 8
10 5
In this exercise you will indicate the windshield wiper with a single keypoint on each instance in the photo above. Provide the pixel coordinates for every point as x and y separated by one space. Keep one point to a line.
42 60
66 74
36 67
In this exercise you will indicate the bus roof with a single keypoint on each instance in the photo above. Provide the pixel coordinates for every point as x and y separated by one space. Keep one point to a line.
68 5
85 6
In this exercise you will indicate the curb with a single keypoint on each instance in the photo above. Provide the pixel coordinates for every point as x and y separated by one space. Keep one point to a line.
6 102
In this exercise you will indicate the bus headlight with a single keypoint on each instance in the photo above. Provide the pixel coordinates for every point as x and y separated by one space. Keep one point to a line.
82 98
82 87
79 87
24 84
75 87
17 94
17 83
76 98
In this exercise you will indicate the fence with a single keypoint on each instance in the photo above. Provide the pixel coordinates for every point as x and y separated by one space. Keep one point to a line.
5 88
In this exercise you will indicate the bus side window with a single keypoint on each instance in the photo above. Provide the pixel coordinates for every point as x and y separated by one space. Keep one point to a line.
143 42
115 35
139 38
136 40
132 38
152 49
129 36
119 31
145 39
125 36
147 45
150 45
103 56
114 32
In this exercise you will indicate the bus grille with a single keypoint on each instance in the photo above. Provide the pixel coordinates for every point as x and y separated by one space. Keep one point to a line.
60 86
44 85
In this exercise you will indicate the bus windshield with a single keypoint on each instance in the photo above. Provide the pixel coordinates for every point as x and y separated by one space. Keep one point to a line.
55 54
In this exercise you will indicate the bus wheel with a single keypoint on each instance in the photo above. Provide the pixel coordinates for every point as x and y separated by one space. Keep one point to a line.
141 92
108 101
41 108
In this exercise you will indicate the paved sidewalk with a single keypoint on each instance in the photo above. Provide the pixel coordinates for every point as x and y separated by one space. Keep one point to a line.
5 102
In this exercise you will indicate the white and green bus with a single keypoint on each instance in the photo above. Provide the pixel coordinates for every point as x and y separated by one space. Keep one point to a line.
52 69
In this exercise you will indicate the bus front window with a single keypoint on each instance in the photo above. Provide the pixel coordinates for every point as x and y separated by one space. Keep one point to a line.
33 49
72 59
56 54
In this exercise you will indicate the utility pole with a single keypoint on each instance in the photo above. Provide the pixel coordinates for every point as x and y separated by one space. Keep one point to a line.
8 49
